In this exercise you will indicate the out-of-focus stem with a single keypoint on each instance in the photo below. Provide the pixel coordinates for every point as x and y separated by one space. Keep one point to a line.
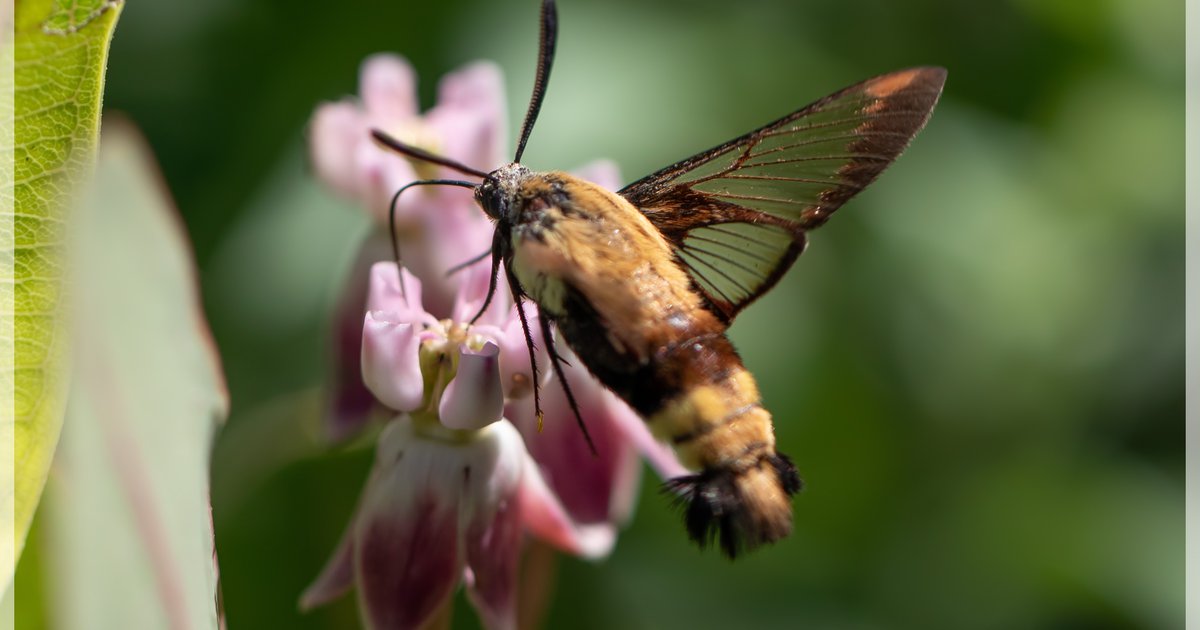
539 569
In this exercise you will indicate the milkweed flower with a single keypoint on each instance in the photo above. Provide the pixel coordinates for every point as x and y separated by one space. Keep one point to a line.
438 227
463 468
453 489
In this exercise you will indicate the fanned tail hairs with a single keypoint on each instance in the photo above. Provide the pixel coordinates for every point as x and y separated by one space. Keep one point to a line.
643 283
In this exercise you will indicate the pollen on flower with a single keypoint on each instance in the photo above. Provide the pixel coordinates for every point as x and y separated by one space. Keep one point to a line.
457 332
520 385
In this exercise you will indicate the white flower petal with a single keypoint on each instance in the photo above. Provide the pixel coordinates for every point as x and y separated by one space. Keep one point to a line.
391 364
475 397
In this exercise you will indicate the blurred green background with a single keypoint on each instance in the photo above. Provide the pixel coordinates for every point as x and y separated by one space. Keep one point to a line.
978 366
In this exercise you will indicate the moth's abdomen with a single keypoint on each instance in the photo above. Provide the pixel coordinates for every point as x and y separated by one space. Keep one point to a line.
741 498
686 380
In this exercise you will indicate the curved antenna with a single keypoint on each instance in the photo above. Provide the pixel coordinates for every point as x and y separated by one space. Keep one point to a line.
549 35
423 155
392 216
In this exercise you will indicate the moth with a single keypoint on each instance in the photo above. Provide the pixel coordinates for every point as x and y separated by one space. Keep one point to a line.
643 283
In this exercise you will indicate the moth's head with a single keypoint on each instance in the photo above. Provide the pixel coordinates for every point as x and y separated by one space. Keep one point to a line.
499 190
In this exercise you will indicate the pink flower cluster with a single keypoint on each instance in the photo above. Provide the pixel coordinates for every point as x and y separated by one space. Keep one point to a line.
463 471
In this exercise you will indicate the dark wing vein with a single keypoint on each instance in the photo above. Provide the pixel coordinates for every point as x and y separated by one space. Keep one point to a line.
764 197
780 178
826 139
837 123
840 157
727 277
698 276
713 241
696 251
787 177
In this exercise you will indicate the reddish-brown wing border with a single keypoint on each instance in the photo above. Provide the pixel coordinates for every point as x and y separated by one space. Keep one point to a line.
888 110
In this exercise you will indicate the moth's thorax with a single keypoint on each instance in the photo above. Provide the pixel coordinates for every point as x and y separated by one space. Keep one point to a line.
572 239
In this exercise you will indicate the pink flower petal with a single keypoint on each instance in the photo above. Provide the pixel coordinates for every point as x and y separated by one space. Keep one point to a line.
546 518
350 402
493 548
494 530
407 562
633 429
422 261
515 369
407 533
499 455
514 476
385 294
459 221
588 485
660 456
477 90
474 398
391 366
468 136
472 291
599 488
333 135
380 173
476 85
388 87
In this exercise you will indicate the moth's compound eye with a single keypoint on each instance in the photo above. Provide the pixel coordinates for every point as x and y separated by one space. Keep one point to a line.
488 197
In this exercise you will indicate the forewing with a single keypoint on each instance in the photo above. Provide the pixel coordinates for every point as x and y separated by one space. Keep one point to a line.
738 213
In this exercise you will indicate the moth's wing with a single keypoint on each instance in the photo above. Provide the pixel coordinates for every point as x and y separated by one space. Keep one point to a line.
738 213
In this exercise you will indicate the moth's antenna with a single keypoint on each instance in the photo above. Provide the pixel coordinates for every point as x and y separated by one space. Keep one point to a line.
392 215
546 43
423 155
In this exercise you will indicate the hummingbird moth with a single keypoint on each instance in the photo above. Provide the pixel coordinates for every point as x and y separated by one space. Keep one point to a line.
643 283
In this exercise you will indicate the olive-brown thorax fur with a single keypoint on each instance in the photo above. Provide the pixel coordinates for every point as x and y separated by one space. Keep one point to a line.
620 298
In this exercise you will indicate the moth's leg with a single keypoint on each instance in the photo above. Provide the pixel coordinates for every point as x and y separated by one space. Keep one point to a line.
556 363
517 297
467 263
496 257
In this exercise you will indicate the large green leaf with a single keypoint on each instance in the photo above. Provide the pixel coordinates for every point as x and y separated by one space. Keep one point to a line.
54 66
127 517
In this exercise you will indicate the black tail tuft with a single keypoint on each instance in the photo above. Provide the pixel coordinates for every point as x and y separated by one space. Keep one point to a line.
734 508
789 477
710 503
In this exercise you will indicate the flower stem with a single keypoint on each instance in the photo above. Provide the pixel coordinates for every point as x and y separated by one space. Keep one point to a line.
539 568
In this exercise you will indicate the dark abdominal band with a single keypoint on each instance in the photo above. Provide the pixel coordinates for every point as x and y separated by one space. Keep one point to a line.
698 357
684 438
740 497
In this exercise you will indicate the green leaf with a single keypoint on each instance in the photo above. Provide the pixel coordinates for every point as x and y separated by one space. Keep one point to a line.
57 60
127 517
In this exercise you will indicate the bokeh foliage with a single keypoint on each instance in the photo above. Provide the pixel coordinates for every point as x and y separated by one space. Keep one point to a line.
978 366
